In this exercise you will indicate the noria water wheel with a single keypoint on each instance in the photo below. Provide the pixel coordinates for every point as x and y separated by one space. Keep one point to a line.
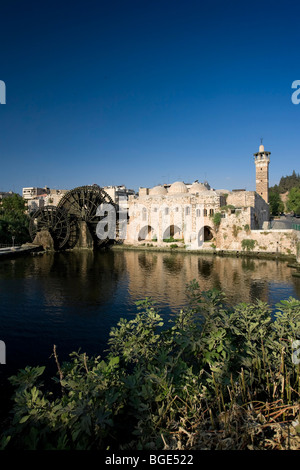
63 222
81 203
53 219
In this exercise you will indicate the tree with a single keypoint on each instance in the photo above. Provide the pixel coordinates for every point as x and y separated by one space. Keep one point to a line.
286 183
276 204
13 205
13 220
293 202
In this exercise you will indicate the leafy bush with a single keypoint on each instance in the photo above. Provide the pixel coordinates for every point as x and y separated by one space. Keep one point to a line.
160 378
248 244
217 217
235 230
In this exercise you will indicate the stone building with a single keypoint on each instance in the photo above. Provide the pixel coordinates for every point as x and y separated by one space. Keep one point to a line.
39 197
194 214
173 212
4 194
33 192
54 196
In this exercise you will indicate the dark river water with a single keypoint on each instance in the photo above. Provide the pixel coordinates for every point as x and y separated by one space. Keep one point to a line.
73 299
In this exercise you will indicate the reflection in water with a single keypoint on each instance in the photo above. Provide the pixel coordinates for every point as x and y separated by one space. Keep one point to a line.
242 280
73 299
248 264
205 267
173 264
146 262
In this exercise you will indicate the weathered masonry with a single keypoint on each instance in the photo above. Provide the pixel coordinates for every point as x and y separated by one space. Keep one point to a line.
262 160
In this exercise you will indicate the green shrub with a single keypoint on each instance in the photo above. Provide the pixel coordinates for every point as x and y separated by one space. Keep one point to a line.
235 230
248 244
198 373
216 218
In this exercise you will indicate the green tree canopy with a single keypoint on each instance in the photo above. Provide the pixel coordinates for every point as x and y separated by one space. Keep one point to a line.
276 204
13 205
293 202
13 220
286 183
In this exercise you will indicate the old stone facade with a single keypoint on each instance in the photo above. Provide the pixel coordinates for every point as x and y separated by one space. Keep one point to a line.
236 234
180 212
195 216
190 214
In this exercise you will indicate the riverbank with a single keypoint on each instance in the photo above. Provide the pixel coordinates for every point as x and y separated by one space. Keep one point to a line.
28 248
17 251
149 247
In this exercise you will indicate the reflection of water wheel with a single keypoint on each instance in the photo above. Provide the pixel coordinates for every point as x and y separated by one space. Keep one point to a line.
81 204
55 220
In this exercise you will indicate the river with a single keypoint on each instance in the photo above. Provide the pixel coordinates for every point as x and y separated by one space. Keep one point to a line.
73 299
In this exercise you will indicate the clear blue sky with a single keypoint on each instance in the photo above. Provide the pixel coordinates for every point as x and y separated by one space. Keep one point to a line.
141 92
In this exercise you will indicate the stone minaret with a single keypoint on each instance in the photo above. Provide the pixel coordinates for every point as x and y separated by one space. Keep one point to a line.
262 160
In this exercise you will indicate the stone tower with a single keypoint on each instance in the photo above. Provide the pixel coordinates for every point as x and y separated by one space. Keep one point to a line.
262 160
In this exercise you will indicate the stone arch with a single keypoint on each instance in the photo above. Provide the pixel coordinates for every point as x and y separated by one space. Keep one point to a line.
173 231
146 233
208 233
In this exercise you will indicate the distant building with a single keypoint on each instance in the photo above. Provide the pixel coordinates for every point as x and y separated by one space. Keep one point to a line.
4 194
39 197
119 194
32 192
35 203
55 195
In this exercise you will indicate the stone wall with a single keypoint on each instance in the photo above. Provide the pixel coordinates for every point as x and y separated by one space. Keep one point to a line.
151 216
232 232
191 215
242 199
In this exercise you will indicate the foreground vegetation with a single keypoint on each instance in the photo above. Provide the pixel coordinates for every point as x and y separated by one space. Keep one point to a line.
212 377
